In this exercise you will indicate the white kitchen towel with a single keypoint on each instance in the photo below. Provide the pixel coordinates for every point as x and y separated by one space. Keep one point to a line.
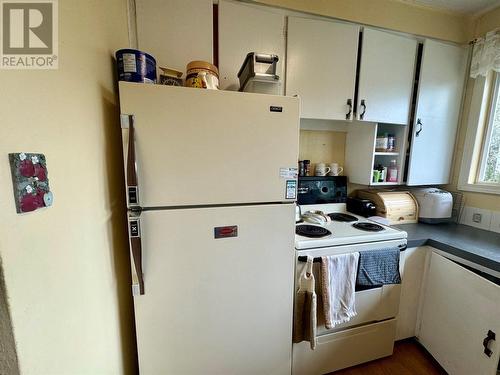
304 312
338 287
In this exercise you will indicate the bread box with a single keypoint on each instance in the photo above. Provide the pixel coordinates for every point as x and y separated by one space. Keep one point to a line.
399 207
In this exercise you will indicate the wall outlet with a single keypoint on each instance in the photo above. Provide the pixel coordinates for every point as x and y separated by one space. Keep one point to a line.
476 217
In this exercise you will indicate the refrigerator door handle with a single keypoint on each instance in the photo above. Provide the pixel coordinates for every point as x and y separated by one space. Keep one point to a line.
132 185
136 249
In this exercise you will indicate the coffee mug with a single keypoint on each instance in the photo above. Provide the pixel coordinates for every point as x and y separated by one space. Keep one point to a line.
335 170
321 169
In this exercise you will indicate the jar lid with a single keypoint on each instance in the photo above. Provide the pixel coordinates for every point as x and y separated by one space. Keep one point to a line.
198 64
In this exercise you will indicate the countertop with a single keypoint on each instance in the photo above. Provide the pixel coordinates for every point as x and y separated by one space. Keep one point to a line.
476 245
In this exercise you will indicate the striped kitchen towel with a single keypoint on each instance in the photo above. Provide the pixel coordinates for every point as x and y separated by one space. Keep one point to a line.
338 288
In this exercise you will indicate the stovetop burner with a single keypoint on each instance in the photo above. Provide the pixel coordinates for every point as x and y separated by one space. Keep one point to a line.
312 231
369 227
338 216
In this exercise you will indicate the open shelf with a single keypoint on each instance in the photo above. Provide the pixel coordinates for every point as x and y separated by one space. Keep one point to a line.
383 183
361 157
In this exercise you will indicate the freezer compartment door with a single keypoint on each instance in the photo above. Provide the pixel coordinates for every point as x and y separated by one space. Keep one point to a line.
216 305
198 147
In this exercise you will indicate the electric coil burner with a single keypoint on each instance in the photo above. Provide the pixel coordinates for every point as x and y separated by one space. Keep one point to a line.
312 231
339 216
369 227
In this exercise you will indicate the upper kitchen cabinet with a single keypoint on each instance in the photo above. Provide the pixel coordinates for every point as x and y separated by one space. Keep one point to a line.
245 28
439 97
175 32
321 67
386 77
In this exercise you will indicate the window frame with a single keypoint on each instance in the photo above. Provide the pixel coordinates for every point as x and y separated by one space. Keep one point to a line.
494 101
478 126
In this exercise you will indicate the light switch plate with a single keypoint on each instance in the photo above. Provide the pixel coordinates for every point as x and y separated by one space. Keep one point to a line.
470 216
495 222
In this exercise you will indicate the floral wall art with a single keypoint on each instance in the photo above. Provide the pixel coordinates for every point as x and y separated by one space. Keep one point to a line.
30 180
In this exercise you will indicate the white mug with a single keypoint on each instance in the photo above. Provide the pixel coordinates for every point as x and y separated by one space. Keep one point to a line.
321 169
335 170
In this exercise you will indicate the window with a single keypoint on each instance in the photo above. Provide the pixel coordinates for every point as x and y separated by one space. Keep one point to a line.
489 171
480 169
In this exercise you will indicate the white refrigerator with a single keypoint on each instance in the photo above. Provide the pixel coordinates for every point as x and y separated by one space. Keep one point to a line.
211 183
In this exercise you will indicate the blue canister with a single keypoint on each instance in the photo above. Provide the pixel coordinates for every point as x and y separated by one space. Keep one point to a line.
135 66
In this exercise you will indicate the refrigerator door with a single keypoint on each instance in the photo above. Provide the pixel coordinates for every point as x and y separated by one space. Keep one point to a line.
200 147
216 305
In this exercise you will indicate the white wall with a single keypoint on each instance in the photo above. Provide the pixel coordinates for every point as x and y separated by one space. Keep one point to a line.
8 354
66 267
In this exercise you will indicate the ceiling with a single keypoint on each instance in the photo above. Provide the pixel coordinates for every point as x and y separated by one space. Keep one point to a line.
469 7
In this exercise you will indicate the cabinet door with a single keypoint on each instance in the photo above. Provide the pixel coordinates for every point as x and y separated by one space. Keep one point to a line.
245 28
459 308
386 77
438 108
175 32
413 264
321 66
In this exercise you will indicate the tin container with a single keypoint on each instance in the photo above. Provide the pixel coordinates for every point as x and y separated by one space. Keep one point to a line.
135 66
202 75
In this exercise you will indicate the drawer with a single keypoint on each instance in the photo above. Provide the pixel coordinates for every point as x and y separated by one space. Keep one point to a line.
343 349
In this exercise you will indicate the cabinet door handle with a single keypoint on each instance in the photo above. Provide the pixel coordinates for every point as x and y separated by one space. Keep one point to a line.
362 114
421 127
348 114
490 336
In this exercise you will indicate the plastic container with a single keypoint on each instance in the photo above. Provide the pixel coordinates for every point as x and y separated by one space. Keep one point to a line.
135 66
263 86
202 75
258 74
392 172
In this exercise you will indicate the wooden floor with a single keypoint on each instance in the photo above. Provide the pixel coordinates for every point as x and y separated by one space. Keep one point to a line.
409 358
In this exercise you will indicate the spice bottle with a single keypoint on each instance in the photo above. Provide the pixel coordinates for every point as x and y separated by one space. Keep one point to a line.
307 167
302 171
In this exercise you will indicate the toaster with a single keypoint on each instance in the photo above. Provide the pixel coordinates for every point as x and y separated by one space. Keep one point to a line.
435 205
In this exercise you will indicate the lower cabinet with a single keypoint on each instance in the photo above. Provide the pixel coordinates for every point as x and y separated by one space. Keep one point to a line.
460 318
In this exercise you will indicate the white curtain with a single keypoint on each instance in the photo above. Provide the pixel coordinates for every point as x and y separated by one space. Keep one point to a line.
486 55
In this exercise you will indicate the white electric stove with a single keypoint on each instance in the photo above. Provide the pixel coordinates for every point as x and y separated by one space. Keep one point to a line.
343 229
371 333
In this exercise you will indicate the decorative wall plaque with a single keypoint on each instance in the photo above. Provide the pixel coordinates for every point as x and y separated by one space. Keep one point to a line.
30 180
